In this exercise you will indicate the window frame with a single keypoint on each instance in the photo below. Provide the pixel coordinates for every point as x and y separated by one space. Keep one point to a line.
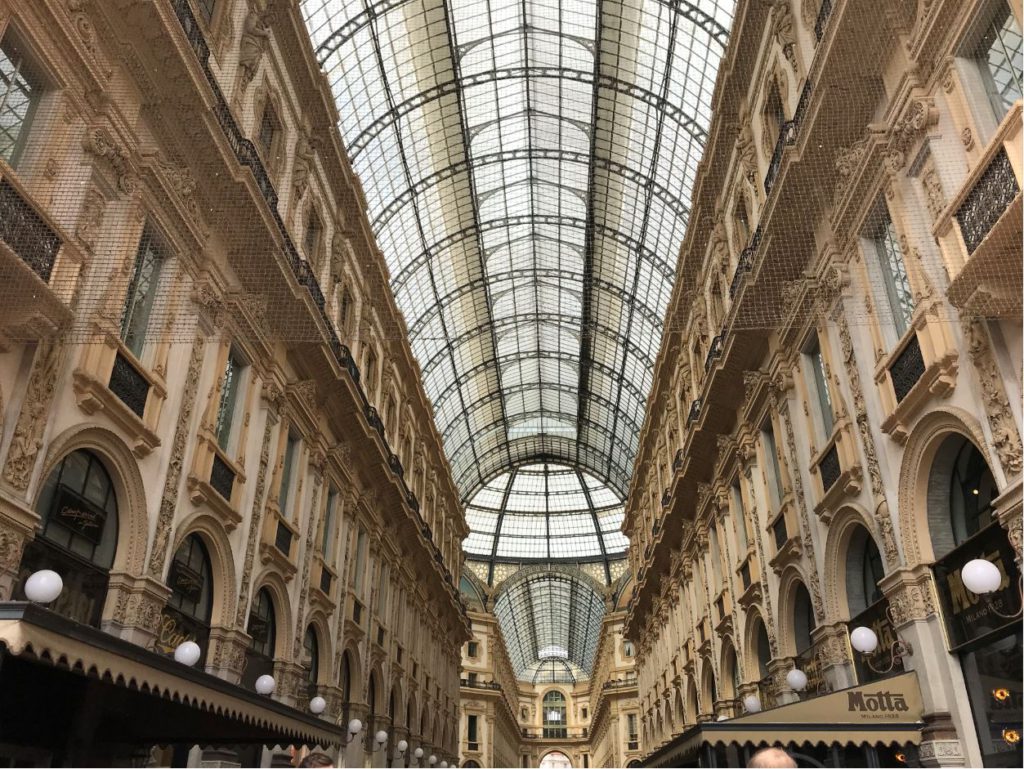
25 67
226 423
151 243
817 382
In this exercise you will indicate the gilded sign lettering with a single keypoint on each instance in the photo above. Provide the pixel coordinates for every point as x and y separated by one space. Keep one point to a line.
876 702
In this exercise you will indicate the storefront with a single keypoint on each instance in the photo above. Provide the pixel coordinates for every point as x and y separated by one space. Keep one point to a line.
877 724
72 695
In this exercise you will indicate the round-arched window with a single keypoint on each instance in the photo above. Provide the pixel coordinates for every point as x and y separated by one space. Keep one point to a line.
311 652
187 614
960 494
864 570
78 507
803 619
259 659
554 712
764 650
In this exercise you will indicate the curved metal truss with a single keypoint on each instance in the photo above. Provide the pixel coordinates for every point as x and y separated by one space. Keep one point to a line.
528 167
550 620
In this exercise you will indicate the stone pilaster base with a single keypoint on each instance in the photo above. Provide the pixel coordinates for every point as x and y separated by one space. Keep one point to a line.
226 655
940 744
777 669
17 527
291 684
133 608
833 643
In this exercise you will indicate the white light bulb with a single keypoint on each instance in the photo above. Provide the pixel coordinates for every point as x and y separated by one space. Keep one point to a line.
44 586
981 576
797 680
752 703
355 726
265 684
432 760
443 765
402 746
418 753
863 639
188 653
381 737
317 705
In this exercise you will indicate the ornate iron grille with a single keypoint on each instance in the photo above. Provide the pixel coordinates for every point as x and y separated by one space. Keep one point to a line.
984 204
715 351
26 232
357 612
665 499
373 417
222 477
824 11
907 369
129 385
283 540
694 411
829 468
677 461
396 465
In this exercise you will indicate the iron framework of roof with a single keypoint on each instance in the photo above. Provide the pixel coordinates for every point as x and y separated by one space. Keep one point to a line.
527 166
550 622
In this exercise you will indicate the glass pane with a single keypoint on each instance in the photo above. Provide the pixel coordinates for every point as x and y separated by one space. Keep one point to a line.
1000 52
228 397
19 95
894 275
141 294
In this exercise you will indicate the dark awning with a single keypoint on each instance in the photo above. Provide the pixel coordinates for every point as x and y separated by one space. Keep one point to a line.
52 668
886 712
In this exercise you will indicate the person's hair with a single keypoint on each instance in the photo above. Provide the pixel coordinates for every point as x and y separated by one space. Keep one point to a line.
317 759
771 758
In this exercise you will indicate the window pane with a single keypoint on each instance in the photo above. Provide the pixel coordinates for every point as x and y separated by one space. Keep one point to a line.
286 474
19 94
894 275
1000 53
228 397
141 294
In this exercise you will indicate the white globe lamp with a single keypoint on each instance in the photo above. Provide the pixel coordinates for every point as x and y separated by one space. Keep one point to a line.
381 737
418 753
265 684
355 726
188 653
432 760
752 704
797 680
443 765
863 639
981 576
402 747
44 586
317 705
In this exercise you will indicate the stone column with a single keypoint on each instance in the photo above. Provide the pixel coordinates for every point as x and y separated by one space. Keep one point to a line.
915 616
833 644
353 753
778 668
226 656
137 603
17 527
398 733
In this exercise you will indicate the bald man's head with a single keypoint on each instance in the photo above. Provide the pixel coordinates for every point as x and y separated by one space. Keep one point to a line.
771 758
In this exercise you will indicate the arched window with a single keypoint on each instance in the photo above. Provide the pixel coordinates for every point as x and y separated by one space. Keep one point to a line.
259 659
730 673
864 570
186 616
311 659
803 619
78 507
554 715
764 650
971 491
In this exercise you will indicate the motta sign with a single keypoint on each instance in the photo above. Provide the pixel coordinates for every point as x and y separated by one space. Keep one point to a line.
877 702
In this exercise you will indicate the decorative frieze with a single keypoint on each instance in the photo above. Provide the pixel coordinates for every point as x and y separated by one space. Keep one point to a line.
28 431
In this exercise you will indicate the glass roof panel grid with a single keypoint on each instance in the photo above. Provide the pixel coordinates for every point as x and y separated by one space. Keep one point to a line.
552 144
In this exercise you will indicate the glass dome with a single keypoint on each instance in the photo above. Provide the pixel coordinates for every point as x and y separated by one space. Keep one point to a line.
545 512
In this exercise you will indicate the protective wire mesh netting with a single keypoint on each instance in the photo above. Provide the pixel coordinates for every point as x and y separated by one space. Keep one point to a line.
553 185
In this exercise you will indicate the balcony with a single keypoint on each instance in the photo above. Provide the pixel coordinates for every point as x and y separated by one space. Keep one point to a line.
979 232
32 250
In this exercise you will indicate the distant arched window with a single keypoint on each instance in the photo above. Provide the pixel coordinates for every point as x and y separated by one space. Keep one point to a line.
803 619
187 614
78 507
554 710
960 493
864 570
259 659
311 652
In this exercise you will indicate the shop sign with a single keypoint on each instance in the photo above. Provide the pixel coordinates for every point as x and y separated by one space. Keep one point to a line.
79 515
176 628
186 582
970 616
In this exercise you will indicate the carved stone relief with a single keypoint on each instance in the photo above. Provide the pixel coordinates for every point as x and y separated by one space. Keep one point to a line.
28 431
169 499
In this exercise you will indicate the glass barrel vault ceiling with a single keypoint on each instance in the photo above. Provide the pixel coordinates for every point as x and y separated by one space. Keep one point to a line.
551 624
545 512
528 166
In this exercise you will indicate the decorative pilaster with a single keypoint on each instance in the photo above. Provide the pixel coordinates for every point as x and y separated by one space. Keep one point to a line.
137 604
226 655
28 431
